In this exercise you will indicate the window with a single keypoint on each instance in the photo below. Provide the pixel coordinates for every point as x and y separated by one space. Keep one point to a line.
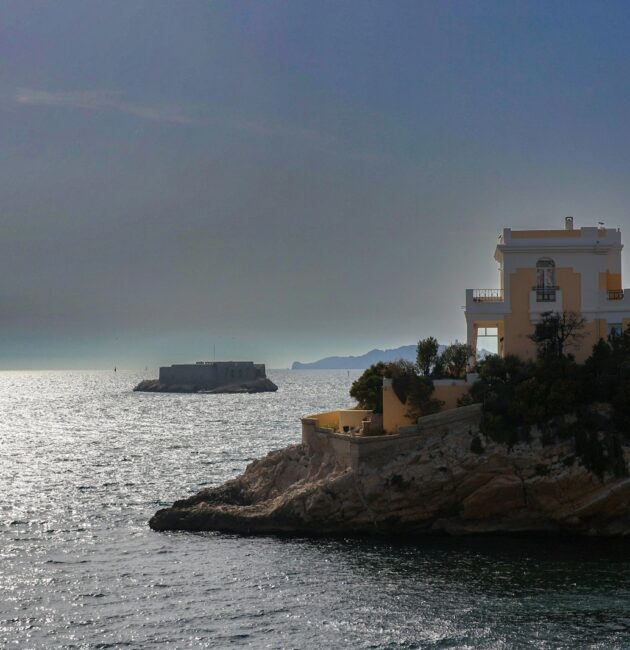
545 272
545 280
614 330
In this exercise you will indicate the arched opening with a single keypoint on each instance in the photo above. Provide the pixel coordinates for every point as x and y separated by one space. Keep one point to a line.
545 280
545 272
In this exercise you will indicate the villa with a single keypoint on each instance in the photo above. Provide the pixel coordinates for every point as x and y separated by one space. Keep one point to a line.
541 271
564 270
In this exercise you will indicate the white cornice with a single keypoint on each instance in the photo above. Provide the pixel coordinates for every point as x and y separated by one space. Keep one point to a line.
597 249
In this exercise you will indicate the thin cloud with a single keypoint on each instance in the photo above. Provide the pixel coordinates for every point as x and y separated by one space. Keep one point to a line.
102 100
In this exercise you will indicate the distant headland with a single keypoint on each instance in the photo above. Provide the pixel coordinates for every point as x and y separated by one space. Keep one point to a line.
363 361
360 362
210 377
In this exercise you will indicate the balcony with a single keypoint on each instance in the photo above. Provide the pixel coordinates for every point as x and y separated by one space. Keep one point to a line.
485 304
487 295
615 301
546 293
543 299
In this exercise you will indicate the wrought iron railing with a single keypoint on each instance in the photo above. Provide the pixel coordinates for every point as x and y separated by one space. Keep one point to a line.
615 294
487 295
545 294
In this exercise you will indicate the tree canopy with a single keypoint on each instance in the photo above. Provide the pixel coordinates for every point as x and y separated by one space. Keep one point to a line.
557 331
368 388
411 388
455 360
427 355
588 403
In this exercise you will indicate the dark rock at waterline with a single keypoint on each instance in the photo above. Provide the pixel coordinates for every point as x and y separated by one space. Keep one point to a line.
260 385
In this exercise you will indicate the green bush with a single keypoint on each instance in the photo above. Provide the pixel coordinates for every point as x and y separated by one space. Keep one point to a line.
411 388
553 394
368 388
455 360
427 355
554 390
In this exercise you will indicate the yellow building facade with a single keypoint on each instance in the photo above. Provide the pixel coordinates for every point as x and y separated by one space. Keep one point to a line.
542 271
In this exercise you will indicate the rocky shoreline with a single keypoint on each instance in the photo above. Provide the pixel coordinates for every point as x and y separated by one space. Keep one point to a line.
260 385
449 479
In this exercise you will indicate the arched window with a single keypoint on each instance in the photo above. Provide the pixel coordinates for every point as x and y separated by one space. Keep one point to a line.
545 272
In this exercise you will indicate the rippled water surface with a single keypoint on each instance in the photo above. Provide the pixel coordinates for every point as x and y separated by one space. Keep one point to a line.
84 463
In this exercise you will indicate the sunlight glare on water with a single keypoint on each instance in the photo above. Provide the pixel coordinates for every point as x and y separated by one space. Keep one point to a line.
85 462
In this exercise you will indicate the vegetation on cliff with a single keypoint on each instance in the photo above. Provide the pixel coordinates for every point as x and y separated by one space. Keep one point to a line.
562 399
412 382
552 397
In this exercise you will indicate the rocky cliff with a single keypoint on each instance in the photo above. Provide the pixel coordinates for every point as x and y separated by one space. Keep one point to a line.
445 477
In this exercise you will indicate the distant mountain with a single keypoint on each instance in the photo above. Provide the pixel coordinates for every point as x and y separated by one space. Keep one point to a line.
407 352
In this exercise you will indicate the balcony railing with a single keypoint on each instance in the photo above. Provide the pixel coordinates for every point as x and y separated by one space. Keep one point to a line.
545 294
487 295
615 294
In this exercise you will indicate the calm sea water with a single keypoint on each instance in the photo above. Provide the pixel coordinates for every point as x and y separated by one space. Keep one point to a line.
84 463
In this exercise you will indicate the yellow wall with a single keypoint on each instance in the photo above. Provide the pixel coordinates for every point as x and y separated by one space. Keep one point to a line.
613 281
543 234
593 331
610 281
570 283
326 420
352 418
336 420
450 393
517 324
394 411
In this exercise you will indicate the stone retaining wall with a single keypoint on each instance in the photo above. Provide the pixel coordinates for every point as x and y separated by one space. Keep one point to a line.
355 450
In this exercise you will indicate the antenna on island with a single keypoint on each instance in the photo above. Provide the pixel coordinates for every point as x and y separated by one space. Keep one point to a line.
214 352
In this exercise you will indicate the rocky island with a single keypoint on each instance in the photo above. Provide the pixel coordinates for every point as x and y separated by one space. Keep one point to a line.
441 476
210 377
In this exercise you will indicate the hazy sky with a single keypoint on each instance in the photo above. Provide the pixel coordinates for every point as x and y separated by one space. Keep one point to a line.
288 180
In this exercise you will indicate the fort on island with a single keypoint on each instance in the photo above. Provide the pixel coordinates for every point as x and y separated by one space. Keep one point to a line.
539 271
211 377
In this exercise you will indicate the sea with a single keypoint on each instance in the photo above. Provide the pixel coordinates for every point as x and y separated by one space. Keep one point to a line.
85 462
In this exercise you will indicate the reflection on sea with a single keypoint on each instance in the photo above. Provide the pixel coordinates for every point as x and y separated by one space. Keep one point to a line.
85 462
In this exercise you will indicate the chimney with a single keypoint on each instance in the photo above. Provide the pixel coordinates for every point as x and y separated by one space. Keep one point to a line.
568 223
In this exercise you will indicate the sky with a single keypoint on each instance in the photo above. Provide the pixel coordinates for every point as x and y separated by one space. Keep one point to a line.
279 181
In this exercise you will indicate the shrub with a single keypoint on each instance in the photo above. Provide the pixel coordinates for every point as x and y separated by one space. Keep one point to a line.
368 388
455 359
600 452
410 388
413 389
466 400
557 331
403 374
427 355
